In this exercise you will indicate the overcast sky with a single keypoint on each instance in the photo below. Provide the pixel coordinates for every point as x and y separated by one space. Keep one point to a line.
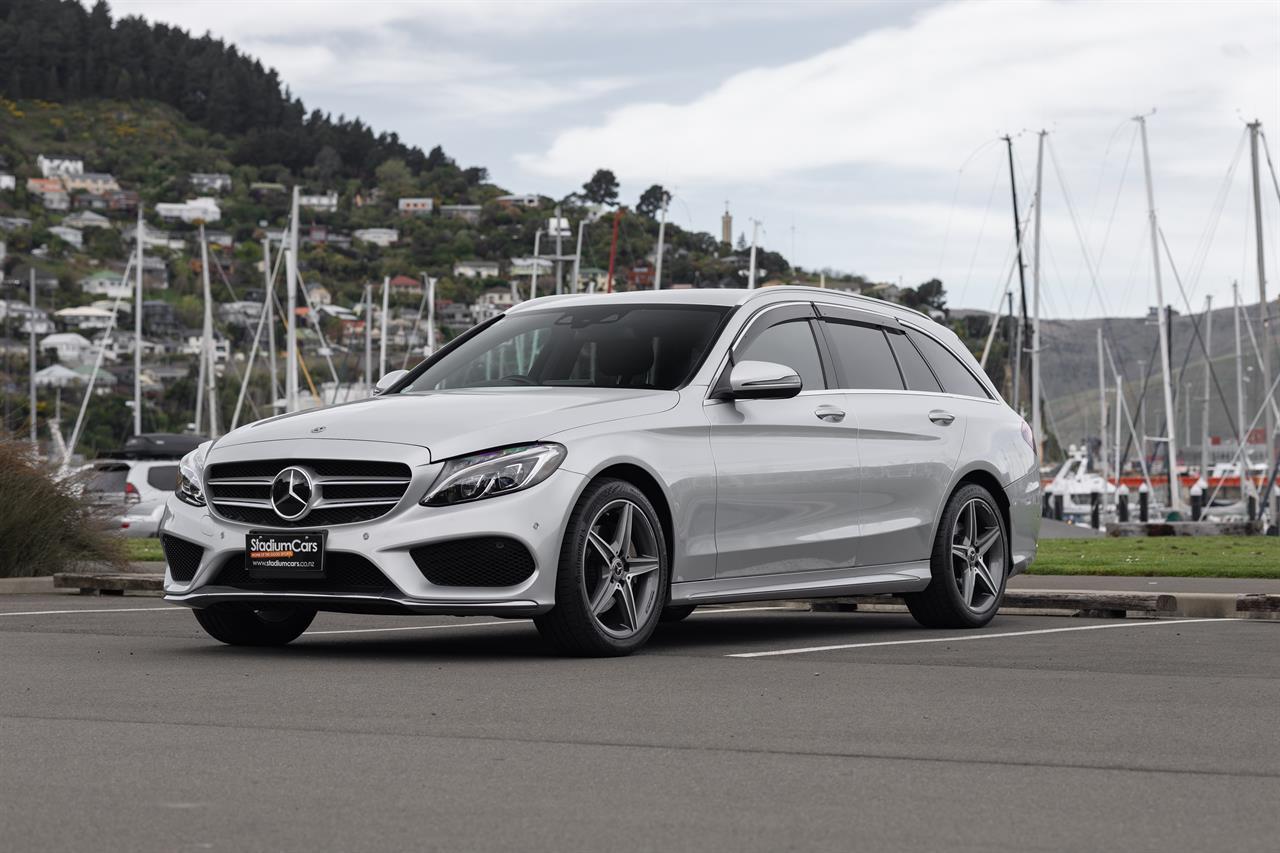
871 129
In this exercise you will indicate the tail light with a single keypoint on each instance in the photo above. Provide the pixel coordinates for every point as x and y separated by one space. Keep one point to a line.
1028 436
131 495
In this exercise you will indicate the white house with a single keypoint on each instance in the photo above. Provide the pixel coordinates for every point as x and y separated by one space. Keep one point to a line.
153 238
192 210
525 200
415 206
67 234
526 267
324 202
57 376
58 164
210 182
377 236
193 344
69 347
476 269
468 213
85 317
87 219
318 294
242 313
106 283
8 182
98 183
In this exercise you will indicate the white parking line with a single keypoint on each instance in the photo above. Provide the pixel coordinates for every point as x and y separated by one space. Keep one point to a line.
964 637
416 628
98 610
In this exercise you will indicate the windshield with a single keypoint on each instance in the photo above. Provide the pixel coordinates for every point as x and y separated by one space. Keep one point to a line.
597 346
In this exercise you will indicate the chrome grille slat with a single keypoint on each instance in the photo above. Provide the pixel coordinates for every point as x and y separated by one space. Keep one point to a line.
360 497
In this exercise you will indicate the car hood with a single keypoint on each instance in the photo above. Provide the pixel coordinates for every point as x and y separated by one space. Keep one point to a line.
451 423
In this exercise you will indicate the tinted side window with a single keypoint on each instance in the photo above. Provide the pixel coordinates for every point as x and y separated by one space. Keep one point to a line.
163 477
914 370
788 343
863 357
956 378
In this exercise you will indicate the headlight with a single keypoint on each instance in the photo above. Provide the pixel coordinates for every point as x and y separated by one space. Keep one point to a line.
494 472
189 471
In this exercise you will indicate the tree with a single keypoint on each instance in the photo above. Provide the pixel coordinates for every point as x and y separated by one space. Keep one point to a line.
602 188
328 164
394 179
929 296
653 200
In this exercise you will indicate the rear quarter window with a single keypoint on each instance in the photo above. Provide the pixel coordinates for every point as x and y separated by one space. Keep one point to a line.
955 377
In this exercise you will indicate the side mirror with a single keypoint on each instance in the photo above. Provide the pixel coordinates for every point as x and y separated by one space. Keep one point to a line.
387 381
763 380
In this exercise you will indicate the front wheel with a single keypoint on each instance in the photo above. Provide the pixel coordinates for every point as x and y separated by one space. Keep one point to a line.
242 625
969 564
612 580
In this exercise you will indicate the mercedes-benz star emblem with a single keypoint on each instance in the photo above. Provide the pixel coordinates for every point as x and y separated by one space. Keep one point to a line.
292 492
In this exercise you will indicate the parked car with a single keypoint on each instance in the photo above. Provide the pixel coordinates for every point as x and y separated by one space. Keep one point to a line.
133 483
602 463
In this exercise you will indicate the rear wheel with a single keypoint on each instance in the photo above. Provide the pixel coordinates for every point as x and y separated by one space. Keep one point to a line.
613 574
242 625
970 564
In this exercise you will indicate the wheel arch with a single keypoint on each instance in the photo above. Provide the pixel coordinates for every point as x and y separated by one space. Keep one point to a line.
990 482
651 487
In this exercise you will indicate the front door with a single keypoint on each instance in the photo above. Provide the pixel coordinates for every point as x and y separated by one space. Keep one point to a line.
786 470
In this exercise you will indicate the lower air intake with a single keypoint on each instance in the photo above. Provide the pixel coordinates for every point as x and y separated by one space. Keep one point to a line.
481 561
182 556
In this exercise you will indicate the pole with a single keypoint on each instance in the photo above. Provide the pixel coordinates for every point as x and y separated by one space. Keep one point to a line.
31 359
291 318
1014 330
613 251
137 335
751 268
577 258
533 281
268 305
1022 273
211 390
1208 367
1270 425
559 264
662 234
1171 444
1036 416
430 284
1102 416
386 315
1242 438
368 336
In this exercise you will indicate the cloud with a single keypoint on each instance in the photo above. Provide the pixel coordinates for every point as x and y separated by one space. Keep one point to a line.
922 96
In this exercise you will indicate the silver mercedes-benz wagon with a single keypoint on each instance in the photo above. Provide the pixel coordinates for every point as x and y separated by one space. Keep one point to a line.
606 463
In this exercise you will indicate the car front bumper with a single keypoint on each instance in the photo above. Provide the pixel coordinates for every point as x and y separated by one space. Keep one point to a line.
535 517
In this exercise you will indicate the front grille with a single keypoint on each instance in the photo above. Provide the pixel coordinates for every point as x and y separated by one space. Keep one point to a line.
348 490
343 572
182 556
480 561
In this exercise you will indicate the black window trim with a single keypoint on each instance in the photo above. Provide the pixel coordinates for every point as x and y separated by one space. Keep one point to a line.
845 383
718 389
982 381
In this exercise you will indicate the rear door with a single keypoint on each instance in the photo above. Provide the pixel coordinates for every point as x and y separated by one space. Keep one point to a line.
786 470
910 433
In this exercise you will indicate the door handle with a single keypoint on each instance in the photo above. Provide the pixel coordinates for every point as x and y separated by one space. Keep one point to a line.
831 414
938 416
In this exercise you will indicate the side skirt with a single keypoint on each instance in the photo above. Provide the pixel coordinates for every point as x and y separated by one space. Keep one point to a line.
891 578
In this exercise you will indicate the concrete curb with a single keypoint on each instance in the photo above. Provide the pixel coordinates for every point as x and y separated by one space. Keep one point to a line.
27 586
110 584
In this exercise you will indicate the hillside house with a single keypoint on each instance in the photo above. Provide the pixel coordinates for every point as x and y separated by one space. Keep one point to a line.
68 347
454 315
84 318
265 189
468 213
89 201
527 267
14 223
210 182
67 234
58 376
241 313
107 283
526 200
19 311
415 206
51 193
203 209
20 277
495 300
153 238
383 237
122 201
318 294
96 183
640 276
322 202
221 239
406 285
323 235
87 219
8 182
193 343
160 320
476 269
59 164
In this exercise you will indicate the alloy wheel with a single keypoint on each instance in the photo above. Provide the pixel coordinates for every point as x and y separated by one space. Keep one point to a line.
620 569
978 555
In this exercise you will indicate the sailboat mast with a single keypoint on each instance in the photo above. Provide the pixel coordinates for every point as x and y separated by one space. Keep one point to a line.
211 390
1022 278
1036 424
1242 440
1102 416
1254 129
662 233
269 306
31 361
291 319
368 336
137 334
1208 367
1171 444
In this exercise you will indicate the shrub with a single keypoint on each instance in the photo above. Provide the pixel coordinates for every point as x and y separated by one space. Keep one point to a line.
45 524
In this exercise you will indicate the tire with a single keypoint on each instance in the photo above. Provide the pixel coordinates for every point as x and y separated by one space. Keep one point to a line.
609 593
677 612
969 564
242 625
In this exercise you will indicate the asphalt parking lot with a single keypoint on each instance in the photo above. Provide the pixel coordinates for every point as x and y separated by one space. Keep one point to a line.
122 727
